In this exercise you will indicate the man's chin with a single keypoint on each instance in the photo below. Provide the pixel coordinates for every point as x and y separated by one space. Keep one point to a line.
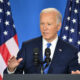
46 38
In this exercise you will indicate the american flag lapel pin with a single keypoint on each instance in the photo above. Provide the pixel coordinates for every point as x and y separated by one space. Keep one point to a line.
60 50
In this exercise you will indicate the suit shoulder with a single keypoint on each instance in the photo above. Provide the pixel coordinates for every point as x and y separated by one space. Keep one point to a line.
34 40
67 45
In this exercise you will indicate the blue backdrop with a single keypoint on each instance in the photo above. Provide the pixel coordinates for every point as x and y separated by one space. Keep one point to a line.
26 16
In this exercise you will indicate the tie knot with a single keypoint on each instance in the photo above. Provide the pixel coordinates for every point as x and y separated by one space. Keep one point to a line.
48 45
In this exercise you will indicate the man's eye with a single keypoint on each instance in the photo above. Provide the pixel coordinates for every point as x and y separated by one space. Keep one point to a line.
49 24
42 23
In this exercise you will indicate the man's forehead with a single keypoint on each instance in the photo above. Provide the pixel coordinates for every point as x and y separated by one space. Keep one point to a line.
48 14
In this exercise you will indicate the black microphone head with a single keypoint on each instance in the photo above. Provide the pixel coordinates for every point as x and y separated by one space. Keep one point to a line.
36 56
35 51
47 52
48 60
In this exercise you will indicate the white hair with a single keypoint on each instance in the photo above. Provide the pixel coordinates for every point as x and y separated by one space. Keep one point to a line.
47 10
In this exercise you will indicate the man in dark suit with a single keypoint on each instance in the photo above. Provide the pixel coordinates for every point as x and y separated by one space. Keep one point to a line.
64 59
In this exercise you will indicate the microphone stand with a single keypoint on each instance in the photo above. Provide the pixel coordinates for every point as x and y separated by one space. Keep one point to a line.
42 67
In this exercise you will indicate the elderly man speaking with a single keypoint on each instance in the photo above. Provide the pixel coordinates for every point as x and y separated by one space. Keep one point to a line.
47 54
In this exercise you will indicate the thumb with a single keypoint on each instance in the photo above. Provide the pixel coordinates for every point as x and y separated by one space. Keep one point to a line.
19 60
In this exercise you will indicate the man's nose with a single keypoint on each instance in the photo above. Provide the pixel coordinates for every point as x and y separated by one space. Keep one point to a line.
45 27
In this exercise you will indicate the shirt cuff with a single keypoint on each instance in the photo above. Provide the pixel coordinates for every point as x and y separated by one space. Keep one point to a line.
11 72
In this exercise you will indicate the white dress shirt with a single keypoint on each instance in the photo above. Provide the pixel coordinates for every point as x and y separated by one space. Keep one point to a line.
52 47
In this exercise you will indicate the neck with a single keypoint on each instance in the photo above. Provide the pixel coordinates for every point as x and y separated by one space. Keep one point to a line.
50 40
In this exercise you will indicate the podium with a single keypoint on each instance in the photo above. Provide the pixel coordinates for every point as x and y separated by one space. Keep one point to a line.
41 77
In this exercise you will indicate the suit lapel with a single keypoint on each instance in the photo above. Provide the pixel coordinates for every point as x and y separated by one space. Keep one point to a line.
57 53
40 48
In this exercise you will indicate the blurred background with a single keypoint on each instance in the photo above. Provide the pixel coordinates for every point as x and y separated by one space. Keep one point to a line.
26 16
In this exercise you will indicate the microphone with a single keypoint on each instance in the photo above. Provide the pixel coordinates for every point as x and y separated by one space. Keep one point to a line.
47 54
36 56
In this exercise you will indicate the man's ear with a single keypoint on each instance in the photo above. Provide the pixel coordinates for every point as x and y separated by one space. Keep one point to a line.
59 26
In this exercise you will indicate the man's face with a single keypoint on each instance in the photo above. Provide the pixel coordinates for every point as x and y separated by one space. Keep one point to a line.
49 26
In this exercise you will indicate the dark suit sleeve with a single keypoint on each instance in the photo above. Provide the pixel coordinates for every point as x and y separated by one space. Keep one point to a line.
73 64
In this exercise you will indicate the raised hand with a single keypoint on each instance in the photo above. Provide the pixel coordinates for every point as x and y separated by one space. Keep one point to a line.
13 63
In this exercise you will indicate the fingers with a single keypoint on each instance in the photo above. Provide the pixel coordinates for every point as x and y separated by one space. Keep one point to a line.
12 58
75 72
13 63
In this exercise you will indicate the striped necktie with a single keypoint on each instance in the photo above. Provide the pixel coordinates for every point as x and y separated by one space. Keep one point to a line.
44 65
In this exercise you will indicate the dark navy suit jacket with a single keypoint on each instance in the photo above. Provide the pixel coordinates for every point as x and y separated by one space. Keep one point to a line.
64 60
